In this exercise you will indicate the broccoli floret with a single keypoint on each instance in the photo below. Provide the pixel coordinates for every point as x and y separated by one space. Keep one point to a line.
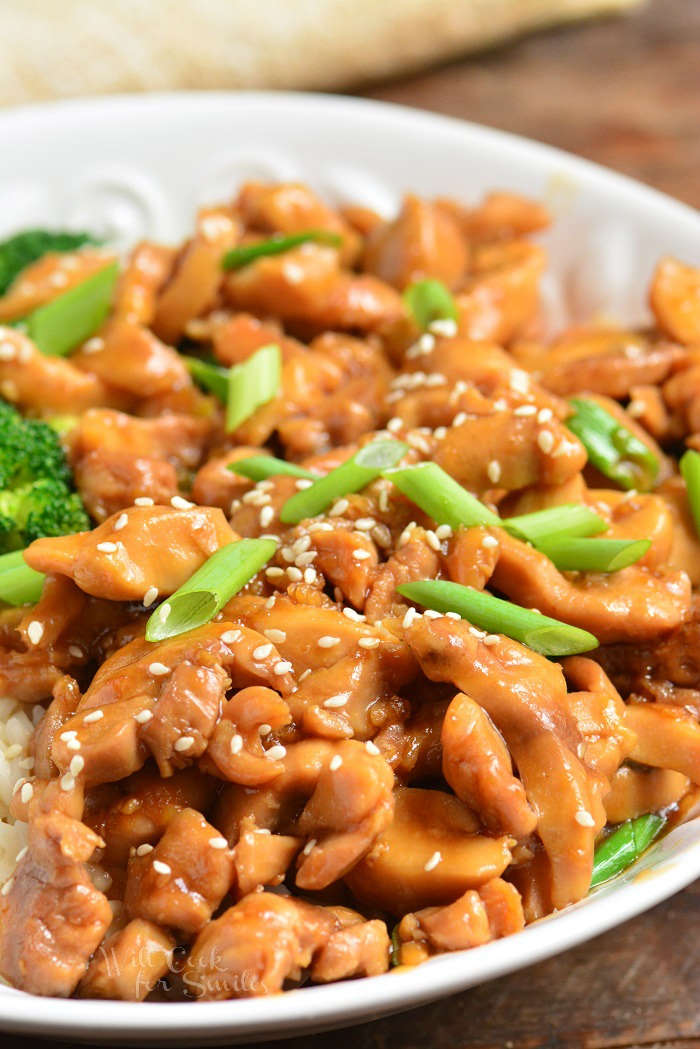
36 497
19 251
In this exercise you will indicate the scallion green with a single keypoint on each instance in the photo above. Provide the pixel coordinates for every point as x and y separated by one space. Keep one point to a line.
260 467
244 254
19 584
71 318
547 636
611 447
571 554
212 377
252 383
428 301
441 497
624 845
360 470
689 465
206 592
570 519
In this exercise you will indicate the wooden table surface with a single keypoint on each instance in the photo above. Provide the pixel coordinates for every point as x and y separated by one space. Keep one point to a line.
626 93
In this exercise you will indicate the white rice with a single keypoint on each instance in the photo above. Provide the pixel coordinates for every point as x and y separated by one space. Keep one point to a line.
17 721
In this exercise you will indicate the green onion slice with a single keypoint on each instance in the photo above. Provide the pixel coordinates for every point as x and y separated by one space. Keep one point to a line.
206 592
548 636
360 470
247 253
611 447
212 377
593 555
19 584
625 845
71 318
395 952
428 301
252 383
440 496
260 467
570 519
689 465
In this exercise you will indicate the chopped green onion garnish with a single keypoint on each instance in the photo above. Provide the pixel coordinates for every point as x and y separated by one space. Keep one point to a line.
395 953
71 318
593 555
440 496
19 584
611 447
213 377
483 610
247 253
360 470
689 465
252 383
206 592
260 467
428 301
625 845
570 519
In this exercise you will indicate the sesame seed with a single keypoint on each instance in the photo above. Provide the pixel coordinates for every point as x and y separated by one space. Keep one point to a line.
67 782
93 345
158 669
491 639
304 674
310 575
394 425
525 409
35 631
93 716
143 500
519 381
121 522
236 744
230 637
266 517
305 559
635 409
143 716
310 845
150 596
262 651
183 743
339 507
361 555
544 415
584 819
545 440
8 352
68 734
181 504
334 702
372 748
264 729
143 850
489 541
433 861
327 641
276 636
274 572
77 765
294 574
493 471
270 603
281 668
218 843
276 753
26 793
351 614
440 432
459 419
73 744
7 886
22 853
161 868
107 548
368 642
446 327
432 540
443 531
303 483
411 614
75 651
335 763
452 615
431 613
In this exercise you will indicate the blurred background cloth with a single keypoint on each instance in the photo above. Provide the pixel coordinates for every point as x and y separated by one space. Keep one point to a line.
59 48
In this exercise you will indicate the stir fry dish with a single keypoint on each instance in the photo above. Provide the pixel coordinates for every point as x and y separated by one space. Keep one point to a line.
348 616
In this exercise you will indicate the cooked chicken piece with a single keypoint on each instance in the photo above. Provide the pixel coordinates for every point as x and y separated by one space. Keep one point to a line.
600 714
430 853
469 560
422 242
144 275
360 948
66 697
499 216
197 276
181 881
109 748
179 439
216 485
236 748
262 858
52 919
684 555
630 605
235 336
48 277
667 737
129 964
131 359
501 295
47 796
414 559
635 792
347 558
675 299
255 946
123 563
109 480
477 765
475 918
43 385
28 676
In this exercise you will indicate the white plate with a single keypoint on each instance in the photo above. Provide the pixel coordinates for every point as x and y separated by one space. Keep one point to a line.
133 166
